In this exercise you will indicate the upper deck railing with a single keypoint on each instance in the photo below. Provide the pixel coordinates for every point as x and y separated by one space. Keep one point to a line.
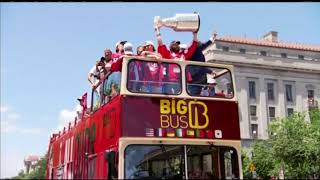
149 77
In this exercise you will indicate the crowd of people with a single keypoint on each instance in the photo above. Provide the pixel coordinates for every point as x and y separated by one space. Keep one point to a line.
142 79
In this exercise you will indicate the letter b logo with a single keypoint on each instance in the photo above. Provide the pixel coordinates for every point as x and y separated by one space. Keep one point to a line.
195 124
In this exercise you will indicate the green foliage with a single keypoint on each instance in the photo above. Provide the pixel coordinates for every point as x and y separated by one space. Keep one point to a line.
315 117
293 142
246 163
39 171
262 158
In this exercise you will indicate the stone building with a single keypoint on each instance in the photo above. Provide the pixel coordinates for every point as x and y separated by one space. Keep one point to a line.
273 78
30 162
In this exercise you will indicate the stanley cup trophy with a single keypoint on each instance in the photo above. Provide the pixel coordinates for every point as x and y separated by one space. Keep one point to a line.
181 22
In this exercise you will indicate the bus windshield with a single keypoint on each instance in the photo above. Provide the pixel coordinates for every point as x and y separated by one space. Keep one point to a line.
157 77
154 77
209 81
168 162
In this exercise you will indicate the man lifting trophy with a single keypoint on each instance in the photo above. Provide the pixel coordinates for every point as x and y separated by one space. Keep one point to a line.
181 22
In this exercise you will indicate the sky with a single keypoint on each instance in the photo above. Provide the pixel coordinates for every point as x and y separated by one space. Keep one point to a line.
47 50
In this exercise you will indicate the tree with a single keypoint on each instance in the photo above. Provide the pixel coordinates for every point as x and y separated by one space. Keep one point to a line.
315 117
263 159
294 143
40 169
246 162
290 139
38 172
21 175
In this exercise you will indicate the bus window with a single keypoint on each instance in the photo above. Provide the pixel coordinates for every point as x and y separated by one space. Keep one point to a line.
92 167
209 81
154 77
96 98
111 87
203 162
229 163
154 161
168 162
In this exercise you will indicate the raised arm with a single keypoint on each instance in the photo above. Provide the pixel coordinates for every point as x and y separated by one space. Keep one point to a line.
151 54
209 42
159 39
162 48
90 75
193 46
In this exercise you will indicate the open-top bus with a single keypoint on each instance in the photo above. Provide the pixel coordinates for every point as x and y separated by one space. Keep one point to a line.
138 130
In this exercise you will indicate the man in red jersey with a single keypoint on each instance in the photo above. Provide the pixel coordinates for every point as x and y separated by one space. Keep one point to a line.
173 72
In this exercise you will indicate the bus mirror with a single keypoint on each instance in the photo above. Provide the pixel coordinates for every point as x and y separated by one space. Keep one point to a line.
110 157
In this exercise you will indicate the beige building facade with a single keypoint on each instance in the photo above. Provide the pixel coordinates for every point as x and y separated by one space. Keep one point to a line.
273 79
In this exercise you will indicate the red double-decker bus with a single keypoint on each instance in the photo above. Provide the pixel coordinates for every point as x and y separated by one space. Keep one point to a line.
145 124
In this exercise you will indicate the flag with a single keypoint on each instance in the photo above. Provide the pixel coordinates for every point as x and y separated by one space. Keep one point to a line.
190 132
150 132
209 133
170 132
83 101
200 133
161 132
181 132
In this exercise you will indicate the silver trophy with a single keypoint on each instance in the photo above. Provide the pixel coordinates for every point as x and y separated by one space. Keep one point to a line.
181 22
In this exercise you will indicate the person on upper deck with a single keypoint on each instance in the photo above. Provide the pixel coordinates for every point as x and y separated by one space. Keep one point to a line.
183 49
153 71
199 74
100 69
139 50
150 51
210 89
173 71
107 59
127 50
119 51
135 73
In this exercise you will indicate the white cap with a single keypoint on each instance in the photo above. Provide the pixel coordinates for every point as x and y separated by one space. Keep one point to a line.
148 43
128 50
117 44
211 81
183 46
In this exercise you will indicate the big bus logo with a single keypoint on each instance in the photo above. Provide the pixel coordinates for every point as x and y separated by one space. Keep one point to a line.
183 114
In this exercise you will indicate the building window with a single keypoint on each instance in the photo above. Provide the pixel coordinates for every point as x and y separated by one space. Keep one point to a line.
263 53
252 89
301 57
289 92
272 113
253 110
289 111
254 131
310 94
225 48
242 51
283 55
270 88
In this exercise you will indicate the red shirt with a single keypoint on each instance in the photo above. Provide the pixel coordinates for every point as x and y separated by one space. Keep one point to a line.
153 71
163 50
116 62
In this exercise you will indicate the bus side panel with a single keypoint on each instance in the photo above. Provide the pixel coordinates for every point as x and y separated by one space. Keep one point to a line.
107 122
110 128
142 113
